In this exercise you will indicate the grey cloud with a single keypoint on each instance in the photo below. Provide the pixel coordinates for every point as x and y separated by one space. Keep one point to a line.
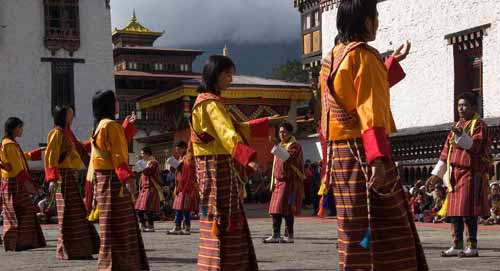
192 22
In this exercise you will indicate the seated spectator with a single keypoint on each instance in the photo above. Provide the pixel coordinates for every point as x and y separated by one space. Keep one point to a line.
440 196
494 204
422 207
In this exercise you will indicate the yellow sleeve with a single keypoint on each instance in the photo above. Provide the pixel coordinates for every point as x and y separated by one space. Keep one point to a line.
221 122
53 151
371 85
116 144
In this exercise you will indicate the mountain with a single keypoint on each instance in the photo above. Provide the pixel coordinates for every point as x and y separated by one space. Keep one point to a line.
251 59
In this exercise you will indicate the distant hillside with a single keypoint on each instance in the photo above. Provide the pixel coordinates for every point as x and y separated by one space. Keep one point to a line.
252 59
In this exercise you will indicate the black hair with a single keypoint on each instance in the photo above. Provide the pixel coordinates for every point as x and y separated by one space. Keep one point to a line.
287 125
470 97
59 114
103 105
181 144
147 151
351 17
11 124
215 65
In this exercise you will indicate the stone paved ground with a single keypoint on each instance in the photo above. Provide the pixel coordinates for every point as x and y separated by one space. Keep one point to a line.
314 249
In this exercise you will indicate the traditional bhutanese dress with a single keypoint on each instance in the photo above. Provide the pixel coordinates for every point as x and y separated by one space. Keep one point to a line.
77 237
122 247
21 230
287 184
357 119
468 185
221 158
186 186
149 196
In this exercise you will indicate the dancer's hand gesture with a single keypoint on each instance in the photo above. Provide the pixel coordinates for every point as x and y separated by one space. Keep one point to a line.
402 52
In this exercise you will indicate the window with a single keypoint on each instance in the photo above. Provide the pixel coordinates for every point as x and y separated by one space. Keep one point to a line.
316 18
307 21
316 41
468 63
307 44
158 67
62 26
132 65
63 92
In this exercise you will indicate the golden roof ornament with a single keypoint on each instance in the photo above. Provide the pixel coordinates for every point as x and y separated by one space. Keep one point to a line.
133 27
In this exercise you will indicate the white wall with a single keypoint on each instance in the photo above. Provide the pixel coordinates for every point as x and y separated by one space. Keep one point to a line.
25 81
425 97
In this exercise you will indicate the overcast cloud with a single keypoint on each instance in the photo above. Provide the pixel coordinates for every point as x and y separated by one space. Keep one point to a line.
196 22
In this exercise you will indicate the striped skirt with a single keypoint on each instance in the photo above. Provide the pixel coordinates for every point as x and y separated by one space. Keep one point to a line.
230 249
470 194
122 247
281 200
184 201
148 200
394 243
78 238
21 230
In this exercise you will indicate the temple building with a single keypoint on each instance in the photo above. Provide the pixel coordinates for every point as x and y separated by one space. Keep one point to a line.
141 68
53 52
455 48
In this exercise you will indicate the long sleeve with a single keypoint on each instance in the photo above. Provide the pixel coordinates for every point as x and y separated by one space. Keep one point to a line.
129 129
229 138
117 147
372 107
395 72
34 155
52 155
256 128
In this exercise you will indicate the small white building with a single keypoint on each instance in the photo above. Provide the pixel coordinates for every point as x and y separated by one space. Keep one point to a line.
53 52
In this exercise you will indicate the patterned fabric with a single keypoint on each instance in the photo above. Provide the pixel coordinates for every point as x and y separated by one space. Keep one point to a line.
479 156
231 248
77 237
288 190
330 106
122 247
149 198
186 186
21 230
470 194
394 243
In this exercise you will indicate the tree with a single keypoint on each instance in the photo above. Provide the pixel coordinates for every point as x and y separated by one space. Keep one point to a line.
291 72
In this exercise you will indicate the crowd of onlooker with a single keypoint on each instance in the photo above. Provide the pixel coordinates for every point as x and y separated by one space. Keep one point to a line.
426 203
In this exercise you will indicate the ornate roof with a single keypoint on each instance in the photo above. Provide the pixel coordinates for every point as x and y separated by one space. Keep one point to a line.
133 27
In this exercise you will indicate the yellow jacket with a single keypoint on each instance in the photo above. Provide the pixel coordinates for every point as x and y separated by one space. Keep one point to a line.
11 154
211 118
59 144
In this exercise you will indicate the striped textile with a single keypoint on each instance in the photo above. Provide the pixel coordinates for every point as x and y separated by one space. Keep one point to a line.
122 247
470 194
279 201
228 250
185 201
148 200
394 243
78 238
21 230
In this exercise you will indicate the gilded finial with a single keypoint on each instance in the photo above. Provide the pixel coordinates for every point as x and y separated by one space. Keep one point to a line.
225 51
134 18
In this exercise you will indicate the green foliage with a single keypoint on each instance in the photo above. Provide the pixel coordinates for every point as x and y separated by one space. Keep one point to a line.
291 72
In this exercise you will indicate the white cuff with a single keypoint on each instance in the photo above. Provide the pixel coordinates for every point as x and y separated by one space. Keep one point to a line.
280 152
440 169
464 141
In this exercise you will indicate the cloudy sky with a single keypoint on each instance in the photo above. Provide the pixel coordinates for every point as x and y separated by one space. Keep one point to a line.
188 22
